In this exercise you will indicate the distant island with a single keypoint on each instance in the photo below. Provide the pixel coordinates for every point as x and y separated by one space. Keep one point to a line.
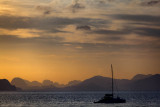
6 86
140 82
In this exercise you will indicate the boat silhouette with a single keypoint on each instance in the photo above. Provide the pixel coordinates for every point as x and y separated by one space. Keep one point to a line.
109 98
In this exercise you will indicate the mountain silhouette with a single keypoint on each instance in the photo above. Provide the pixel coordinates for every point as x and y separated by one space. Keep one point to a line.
6 86
36 84
74 82
20 83
140 76
56 84
139 82
99 83
149 83
47 83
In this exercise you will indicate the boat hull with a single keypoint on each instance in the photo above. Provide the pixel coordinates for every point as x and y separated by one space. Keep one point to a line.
113 100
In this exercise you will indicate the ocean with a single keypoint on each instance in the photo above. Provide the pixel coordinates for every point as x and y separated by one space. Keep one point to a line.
76 99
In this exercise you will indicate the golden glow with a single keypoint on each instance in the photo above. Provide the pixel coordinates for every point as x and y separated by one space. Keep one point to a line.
28 64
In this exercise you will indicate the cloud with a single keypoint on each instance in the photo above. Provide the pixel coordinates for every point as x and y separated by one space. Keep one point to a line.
114 36
14 22
45 9
127 30
14 39
153 32
22 33
105 1
46 23
111 32
76 6
85 27
146 25
99 28
151 3
110 38
138 18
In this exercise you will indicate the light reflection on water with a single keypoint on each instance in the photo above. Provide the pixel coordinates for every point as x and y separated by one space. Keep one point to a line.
76 99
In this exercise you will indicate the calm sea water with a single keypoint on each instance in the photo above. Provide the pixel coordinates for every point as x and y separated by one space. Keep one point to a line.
76 99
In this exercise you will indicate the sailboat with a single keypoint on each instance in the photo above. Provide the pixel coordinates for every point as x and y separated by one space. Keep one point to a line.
109 98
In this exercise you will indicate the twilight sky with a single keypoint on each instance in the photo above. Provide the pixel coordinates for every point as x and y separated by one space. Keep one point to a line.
63 40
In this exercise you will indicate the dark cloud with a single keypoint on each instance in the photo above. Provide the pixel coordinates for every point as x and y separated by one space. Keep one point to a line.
111 32
47 12
105 1
111 35
138 18
112 47
58 31
127 29
14 39
48 23
45 9
76 6
150 23
153 32
102 1
40 7
142 31
51 44
85 27
110 38
118 35
13 22
151 3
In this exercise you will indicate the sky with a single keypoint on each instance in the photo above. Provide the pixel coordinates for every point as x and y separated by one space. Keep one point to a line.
64 40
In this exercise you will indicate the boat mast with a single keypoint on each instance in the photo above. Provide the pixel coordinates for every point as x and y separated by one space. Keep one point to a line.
112 80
